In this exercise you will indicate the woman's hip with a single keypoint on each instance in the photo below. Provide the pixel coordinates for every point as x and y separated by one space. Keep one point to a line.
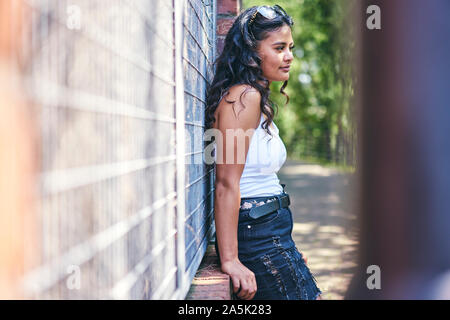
265 235
266 247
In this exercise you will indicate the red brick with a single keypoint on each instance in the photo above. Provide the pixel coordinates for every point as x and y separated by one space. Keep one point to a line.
228 7
223 25
210 283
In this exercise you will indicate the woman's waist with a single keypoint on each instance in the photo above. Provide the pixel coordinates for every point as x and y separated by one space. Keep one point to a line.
249 202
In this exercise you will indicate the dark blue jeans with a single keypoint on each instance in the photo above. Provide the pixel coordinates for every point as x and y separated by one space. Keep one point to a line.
266 247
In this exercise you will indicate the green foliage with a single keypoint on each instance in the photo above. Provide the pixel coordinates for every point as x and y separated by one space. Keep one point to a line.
319 122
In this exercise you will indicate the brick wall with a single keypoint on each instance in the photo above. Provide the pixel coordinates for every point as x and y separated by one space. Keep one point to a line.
199 221
227 10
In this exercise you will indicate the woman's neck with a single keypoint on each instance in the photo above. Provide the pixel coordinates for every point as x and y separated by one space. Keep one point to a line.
262 83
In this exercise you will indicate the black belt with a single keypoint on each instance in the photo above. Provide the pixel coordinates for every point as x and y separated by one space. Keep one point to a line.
279 202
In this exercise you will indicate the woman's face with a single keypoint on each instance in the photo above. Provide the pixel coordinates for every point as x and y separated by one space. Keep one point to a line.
276 53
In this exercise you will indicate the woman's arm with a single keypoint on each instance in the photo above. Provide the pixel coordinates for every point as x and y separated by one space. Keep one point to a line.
239 118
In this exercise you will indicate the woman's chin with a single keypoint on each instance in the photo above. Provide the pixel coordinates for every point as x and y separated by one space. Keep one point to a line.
285 78
282 77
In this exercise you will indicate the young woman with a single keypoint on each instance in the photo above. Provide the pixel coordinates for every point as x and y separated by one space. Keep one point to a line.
252 215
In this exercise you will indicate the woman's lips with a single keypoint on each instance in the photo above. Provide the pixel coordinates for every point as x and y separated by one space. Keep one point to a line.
285 69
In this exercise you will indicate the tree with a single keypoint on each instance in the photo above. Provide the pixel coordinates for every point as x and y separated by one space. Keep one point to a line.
319 121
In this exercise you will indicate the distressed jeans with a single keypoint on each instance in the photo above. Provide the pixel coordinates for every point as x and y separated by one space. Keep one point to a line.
266 247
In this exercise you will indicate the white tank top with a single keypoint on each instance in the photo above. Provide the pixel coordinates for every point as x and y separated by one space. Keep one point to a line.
266 155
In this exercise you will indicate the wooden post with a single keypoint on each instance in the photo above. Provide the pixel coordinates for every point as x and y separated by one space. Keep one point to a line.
405 152
17 159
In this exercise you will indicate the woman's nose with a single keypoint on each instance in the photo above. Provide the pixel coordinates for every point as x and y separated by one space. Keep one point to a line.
289 56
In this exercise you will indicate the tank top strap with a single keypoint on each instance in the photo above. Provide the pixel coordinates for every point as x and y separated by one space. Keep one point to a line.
273 126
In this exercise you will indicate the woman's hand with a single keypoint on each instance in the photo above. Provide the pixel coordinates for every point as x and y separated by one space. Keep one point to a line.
244 281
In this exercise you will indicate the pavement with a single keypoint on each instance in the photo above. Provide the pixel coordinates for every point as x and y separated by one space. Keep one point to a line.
325 228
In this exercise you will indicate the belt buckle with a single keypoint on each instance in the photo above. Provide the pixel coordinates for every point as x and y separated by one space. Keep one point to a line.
258 212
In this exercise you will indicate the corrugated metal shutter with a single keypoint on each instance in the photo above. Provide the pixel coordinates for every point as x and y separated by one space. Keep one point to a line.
102 79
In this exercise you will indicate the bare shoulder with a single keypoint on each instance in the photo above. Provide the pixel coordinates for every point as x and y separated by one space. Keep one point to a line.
246 93
240 108
238 89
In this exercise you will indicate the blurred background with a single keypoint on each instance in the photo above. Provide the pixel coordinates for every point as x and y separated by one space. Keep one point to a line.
319 123
103 191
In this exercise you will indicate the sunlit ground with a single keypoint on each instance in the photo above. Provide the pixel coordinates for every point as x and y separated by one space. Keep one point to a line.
324 222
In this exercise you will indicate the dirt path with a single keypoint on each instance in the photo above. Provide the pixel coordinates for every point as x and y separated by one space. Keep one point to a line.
324 226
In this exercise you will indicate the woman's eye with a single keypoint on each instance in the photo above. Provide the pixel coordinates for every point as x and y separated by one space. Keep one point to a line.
282 48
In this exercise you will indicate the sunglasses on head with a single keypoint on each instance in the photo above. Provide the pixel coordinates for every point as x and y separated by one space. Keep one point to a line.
268 12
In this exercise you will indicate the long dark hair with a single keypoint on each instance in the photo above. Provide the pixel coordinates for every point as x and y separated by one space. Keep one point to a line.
239 63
